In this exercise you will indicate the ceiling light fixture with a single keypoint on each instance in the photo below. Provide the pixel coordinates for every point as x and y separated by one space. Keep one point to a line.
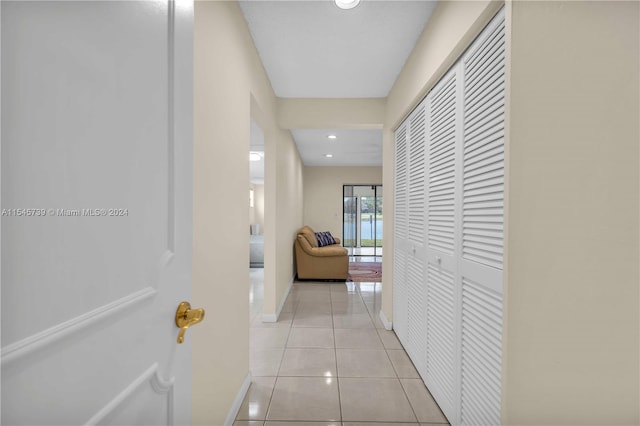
332 137
329 155
254 156
347 4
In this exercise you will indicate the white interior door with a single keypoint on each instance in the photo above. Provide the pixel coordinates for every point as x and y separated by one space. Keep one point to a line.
482 227
401 231
416 342
442 217
97 141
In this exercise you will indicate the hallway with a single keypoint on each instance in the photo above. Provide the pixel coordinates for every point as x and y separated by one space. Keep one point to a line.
329 361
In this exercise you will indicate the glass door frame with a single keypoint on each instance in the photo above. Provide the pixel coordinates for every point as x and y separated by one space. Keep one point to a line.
355 229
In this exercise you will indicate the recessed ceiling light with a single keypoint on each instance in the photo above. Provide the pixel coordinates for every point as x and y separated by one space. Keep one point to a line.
254 156
329 155
347 4
332 137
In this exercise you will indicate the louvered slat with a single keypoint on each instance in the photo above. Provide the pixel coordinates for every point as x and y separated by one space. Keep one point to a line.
440 337
400 234
481 355
416 318
441 170
401 190
400 296
483 150
417 148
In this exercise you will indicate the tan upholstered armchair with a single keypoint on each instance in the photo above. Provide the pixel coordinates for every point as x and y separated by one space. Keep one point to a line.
323 263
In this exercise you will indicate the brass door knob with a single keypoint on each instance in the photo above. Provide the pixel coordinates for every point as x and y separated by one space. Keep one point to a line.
186 317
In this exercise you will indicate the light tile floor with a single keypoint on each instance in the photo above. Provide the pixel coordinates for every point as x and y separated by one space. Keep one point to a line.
329 361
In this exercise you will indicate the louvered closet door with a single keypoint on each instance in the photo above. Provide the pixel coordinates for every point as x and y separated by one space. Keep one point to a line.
482 227
400 234
416 344
441 241
449 233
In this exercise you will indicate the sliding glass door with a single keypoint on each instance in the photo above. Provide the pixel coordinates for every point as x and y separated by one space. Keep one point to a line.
349 221
362 219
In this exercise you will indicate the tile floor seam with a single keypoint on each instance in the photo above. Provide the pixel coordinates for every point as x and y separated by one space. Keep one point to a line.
392 364
414 368
266 412
397 375
408 399
284 350
282 358
303 304
335 356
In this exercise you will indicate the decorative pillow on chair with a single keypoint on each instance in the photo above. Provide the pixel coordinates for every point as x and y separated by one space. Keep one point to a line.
325 239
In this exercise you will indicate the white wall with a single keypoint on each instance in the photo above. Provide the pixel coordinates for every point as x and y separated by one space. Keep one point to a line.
231 87
323 194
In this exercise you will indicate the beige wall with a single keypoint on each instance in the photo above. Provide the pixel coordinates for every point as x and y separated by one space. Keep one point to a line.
451 28
289 212
571 342
230 88
283 217
331 113
323 194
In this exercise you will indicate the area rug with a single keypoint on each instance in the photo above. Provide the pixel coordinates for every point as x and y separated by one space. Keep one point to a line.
365 272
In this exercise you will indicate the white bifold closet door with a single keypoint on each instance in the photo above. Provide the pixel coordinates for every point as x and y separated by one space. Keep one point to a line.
400 235
449 233
442 217
480 265
416 341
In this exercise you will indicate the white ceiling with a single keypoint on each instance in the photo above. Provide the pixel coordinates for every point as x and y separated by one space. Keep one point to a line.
351 147
313 49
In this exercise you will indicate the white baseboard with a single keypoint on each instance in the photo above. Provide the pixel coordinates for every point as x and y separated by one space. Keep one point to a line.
388 325
274 317
237 403
269 318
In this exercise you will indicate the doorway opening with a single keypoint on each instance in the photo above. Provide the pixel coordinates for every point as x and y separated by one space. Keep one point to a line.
256 196
362 219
